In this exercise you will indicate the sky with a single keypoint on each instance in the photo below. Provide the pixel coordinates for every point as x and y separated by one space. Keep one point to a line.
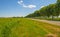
11 8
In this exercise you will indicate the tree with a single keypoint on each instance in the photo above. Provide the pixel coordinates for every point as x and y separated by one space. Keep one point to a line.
58 7
50 10
36 13
43 11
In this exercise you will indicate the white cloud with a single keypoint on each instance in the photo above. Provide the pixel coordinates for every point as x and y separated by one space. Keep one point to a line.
26 6
20 2
29 6
41 6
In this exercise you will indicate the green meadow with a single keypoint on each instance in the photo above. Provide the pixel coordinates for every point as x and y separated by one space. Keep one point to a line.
23 27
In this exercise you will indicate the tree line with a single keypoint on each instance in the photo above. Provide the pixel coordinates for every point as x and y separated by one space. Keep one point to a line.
47 11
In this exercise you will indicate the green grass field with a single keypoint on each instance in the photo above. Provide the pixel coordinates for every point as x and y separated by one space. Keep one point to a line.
22 27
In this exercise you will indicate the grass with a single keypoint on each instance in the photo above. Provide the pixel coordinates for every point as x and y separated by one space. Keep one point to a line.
45 18
55 19
22 27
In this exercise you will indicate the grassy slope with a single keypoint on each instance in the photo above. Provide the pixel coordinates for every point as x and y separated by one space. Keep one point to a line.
22 27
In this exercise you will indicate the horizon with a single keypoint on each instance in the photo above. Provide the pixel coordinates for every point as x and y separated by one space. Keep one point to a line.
19 8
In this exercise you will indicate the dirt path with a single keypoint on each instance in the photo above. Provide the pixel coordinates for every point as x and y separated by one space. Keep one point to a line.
47 21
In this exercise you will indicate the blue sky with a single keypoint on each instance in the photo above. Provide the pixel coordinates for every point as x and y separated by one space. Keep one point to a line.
10 8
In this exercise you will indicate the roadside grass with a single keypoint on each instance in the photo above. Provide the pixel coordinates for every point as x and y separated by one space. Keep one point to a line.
55 19
45 18
22 27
